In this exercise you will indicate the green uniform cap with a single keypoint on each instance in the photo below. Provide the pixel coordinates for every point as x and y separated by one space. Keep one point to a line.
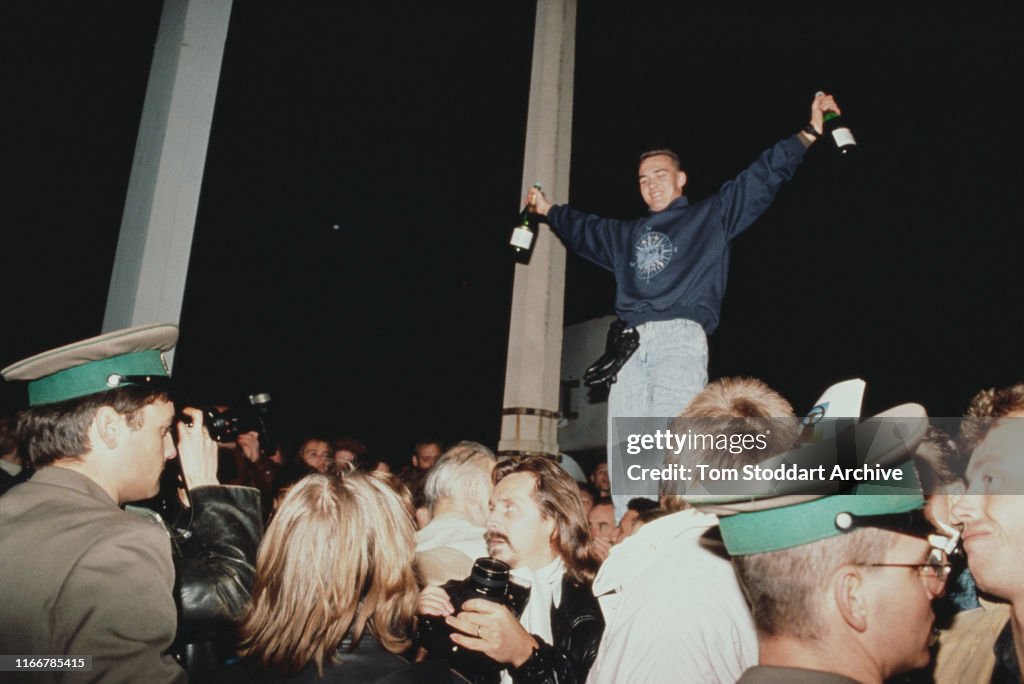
810 520
804 514
95 365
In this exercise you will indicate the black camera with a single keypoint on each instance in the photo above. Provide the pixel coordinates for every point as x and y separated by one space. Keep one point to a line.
489 580
225 426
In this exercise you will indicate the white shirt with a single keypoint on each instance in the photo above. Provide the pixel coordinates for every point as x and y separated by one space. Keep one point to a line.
10 468
545 593
447 547
673 610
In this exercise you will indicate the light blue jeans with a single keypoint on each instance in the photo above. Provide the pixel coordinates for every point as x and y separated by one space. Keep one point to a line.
668 370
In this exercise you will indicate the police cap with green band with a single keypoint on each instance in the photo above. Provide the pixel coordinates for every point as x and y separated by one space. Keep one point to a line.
752 524
132 356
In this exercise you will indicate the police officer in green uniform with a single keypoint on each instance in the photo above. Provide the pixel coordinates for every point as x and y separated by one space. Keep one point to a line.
81 576
840 576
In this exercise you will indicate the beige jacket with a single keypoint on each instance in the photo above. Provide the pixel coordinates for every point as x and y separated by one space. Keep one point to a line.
965 649
81 577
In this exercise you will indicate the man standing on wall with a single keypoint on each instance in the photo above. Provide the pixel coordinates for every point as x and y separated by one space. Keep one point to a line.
671 267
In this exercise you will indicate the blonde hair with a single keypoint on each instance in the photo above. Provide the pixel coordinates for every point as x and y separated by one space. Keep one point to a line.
731 406
338 557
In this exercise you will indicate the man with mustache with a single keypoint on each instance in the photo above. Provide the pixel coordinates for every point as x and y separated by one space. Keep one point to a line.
535 525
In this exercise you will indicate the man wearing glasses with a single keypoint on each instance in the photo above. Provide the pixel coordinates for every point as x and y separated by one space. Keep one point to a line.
840 586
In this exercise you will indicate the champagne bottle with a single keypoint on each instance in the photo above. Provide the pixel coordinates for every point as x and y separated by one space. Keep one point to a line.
840 132
524 235
834 125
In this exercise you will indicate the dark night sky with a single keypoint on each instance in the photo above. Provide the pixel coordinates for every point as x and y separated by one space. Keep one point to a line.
405 129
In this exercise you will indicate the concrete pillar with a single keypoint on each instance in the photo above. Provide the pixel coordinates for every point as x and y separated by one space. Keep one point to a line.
530 406
147 284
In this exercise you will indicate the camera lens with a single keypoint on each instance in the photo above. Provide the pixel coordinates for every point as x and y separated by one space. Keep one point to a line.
489 577
223 426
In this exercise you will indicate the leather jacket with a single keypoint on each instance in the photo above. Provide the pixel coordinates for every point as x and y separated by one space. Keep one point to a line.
366 662
215 565
576 627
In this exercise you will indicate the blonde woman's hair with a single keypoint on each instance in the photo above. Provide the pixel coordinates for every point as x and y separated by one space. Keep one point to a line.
337 558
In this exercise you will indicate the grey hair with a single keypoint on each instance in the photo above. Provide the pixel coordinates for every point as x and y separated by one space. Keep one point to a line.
462 474
784 588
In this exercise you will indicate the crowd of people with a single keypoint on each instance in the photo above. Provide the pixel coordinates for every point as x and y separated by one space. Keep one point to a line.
247 561
469 566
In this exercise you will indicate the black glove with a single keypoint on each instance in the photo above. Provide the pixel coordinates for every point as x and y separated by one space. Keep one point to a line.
621 344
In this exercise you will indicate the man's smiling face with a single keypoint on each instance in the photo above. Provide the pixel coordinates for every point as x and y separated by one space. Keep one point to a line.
661 181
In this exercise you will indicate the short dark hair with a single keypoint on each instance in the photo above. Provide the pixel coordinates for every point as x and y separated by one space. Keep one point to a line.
938 460
307 439
663 152
987 404
52 432
425 441
8 435
349 444
589 489
650 515
641 504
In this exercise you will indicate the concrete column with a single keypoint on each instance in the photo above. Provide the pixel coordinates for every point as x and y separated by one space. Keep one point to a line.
147 284
530 406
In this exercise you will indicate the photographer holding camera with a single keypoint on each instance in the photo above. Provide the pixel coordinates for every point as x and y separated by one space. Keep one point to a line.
87 578
214 556
249 453
536 526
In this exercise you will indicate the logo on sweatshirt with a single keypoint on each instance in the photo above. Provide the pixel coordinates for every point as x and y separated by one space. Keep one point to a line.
651 254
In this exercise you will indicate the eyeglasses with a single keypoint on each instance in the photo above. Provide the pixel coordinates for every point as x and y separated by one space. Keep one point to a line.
934 572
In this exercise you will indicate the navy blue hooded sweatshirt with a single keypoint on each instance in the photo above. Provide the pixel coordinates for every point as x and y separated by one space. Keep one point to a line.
674 263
